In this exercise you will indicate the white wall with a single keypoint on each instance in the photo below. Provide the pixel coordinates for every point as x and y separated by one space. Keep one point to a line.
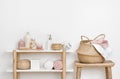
66 20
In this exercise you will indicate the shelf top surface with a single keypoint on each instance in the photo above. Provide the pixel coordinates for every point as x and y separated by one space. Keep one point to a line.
42 70
38 51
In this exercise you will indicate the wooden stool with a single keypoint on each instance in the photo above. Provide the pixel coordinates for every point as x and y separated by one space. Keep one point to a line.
107 65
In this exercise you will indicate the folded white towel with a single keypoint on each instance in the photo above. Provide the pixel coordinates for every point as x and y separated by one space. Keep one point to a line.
105 52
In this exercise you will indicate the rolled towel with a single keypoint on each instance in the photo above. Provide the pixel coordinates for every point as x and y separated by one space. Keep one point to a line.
48 64
58 65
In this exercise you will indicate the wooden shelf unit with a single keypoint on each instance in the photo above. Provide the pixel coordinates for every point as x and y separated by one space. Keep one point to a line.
16 56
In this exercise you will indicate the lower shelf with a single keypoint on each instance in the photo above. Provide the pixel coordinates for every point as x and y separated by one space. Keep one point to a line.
41 70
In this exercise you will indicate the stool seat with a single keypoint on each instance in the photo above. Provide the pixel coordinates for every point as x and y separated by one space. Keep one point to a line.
104 64
107 65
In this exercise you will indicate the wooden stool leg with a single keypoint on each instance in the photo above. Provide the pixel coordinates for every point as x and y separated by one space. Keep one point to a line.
108 72
78 73
18 75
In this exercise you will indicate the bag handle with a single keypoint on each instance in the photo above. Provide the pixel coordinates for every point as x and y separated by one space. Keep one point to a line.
99 36
82 37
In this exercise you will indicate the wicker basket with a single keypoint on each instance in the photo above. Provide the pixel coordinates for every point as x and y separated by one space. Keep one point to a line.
23 64
87 53
56 46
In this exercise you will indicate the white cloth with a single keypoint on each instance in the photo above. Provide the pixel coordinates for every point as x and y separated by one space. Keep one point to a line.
48 65
105 52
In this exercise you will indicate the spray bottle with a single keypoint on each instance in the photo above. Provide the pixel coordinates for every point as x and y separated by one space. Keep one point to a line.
49 42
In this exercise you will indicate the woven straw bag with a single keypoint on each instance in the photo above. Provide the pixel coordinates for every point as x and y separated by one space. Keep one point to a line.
87 52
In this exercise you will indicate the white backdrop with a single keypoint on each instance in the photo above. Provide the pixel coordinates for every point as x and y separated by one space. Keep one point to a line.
66 20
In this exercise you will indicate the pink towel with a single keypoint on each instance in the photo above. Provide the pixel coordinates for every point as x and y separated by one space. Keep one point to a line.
58 65
101 41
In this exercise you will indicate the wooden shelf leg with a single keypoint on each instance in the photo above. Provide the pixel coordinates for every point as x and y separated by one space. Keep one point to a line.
78 73
15 75
108 72
14 65
18 75
64 64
